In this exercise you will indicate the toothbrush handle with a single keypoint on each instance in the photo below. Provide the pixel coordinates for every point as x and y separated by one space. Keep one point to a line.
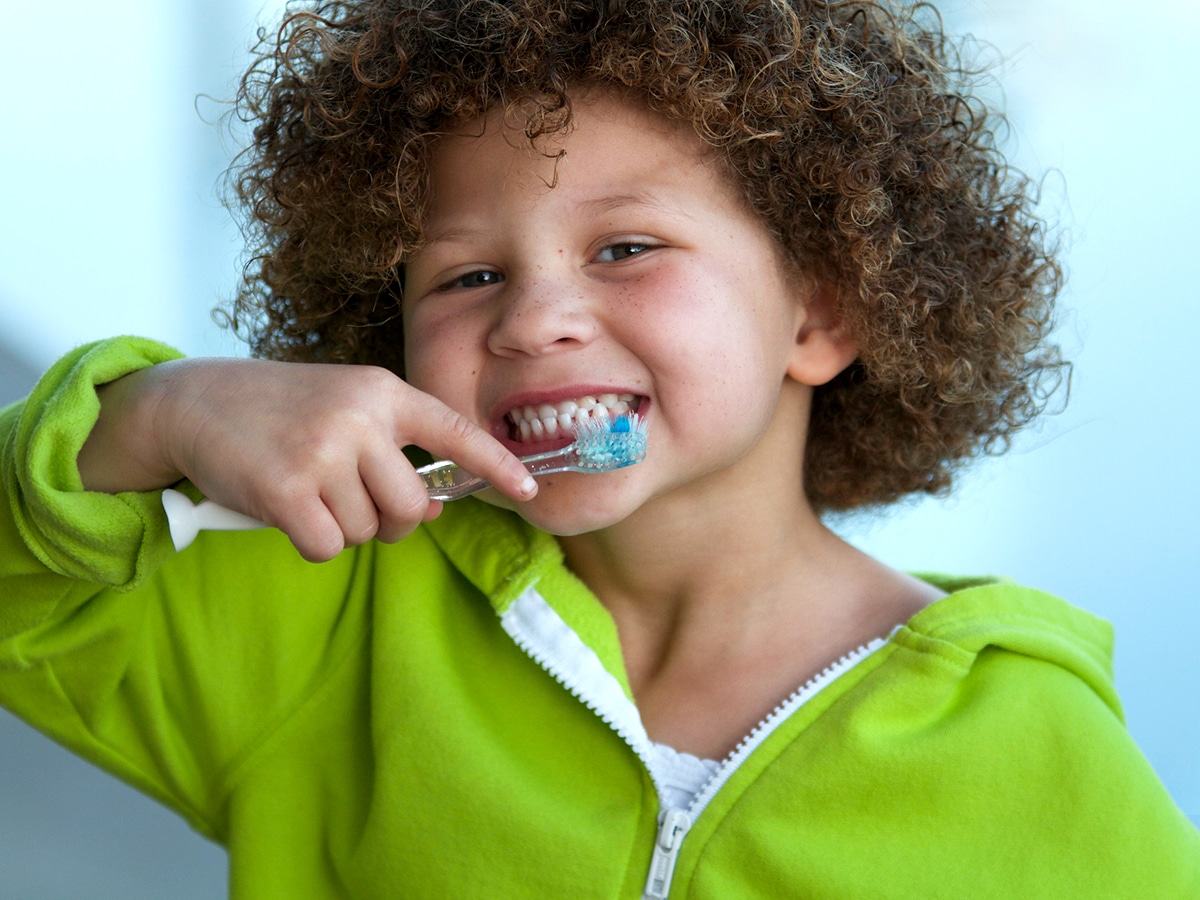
443 481
446 481
186 519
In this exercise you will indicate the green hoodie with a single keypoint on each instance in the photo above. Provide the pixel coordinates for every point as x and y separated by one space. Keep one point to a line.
449 716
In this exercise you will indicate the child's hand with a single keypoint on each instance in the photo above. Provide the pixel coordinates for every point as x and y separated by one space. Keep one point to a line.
314 450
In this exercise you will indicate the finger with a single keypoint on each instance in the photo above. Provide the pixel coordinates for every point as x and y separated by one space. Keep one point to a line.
450 435
312 529
353 509
398 494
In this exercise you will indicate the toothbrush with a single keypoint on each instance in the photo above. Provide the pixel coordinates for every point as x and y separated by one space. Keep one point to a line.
600 445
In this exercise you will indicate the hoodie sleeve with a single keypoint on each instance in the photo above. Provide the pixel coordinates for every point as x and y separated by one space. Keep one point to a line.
53 534
162 668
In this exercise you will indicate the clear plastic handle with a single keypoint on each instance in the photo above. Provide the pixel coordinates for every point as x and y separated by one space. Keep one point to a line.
600 448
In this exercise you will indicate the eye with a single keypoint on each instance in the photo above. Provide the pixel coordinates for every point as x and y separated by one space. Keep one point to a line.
481 278
618 252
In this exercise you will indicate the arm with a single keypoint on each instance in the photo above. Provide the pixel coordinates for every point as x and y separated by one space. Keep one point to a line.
53 531
64 552
165 668
315 450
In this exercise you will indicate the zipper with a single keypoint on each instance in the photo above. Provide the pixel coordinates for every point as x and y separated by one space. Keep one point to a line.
550 642
537 629
673 825
777 717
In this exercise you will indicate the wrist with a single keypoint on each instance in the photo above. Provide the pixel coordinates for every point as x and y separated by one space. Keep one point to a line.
125 450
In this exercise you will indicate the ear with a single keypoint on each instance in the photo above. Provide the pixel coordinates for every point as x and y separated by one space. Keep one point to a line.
823 347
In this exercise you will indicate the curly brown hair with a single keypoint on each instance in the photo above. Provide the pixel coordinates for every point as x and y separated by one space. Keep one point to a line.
851 127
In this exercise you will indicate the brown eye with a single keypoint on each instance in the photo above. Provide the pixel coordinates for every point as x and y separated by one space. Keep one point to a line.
482 278
617 252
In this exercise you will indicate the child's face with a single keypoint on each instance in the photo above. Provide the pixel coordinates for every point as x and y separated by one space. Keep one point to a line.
630 266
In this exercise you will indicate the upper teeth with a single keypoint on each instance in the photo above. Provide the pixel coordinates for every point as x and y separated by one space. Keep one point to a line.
552 420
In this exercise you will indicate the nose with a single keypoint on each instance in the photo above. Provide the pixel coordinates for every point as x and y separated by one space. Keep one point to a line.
542 316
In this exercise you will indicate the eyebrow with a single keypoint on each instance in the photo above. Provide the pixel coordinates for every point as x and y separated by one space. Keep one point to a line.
613 202
594 206
449 236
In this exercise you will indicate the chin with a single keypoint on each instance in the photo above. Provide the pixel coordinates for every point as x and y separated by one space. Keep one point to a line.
567 508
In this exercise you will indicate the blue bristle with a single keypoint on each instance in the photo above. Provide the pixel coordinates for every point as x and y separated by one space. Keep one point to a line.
611 443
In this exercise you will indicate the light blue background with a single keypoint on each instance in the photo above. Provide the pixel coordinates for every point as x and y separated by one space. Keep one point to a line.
109 224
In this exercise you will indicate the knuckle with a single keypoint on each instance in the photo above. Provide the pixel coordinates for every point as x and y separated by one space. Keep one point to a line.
372 390
316 542
469 438
460 429
411 506
405 509
395 532
360 533
324 457
354 405
376 378
289 489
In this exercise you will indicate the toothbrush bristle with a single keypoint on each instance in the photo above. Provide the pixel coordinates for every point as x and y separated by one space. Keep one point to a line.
613 443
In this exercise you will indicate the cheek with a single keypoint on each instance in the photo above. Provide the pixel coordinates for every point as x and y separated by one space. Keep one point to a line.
703 323
720 356
416 355
429 340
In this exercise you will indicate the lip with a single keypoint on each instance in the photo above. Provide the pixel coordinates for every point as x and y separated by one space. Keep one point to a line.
501 426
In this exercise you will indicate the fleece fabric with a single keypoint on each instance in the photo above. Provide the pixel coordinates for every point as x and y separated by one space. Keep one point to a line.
368 728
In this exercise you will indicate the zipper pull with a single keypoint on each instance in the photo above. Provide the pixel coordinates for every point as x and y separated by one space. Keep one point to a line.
673 824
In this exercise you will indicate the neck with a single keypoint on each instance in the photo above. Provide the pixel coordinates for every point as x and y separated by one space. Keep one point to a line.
681 551
729 593
719 578
735 532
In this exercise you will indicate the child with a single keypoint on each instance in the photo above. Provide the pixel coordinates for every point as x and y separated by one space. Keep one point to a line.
781 235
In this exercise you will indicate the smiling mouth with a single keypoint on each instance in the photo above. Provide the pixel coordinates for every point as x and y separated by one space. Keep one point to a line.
552 421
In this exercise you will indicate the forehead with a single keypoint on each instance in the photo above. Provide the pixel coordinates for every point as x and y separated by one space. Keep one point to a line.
613 148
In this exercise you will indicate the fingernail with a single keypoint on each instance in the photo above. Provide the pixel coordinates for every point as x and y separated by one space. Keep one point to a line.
528 486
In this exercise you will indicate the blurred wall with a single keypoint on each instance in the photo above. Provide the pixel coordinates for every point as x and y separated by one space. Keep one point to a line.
109 223
17 374
1097 504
